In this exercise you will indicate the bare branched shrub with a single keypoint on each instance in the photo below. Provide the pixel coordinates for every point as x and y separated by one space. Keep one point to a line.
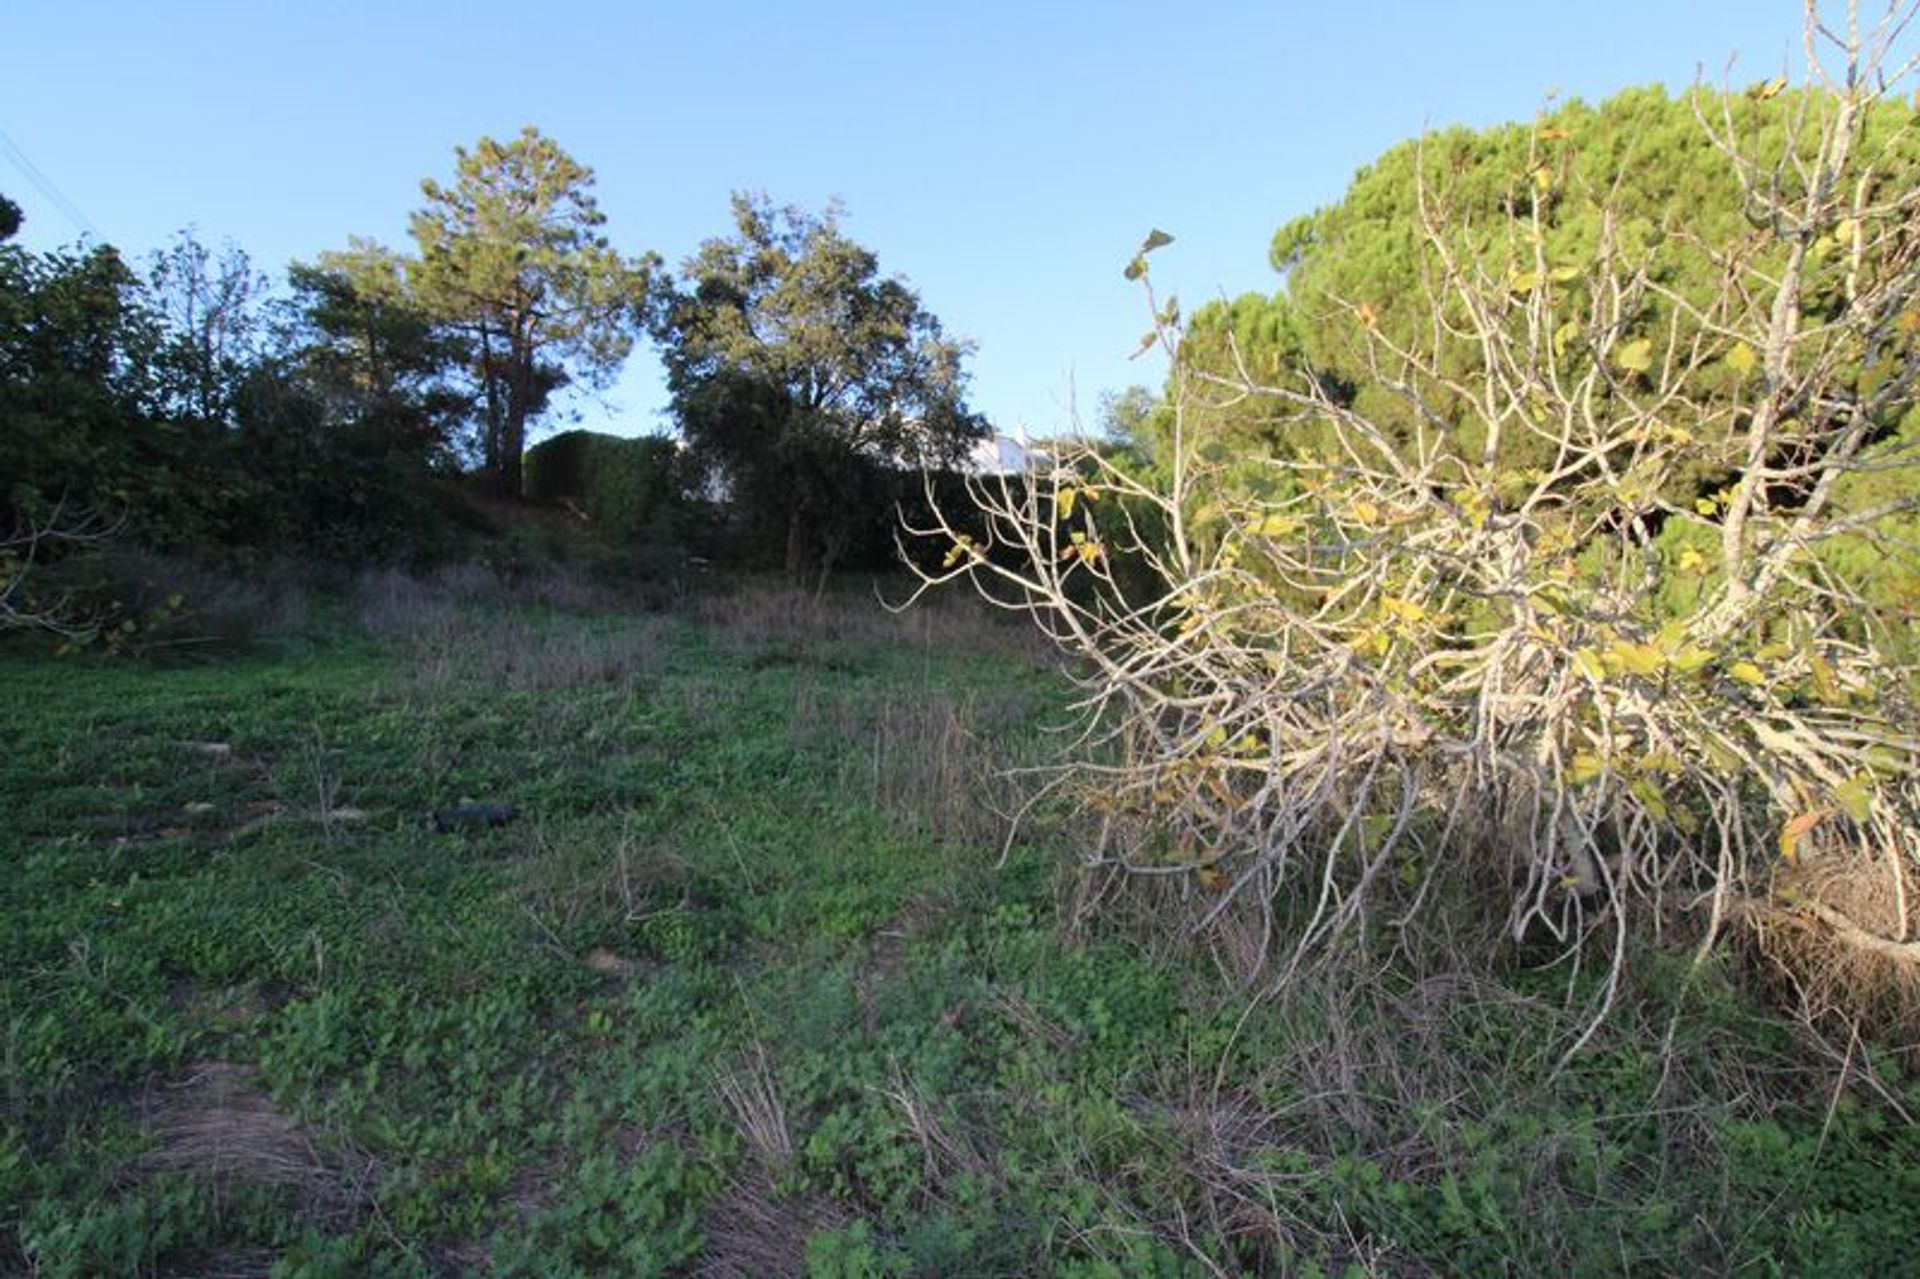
1447 637
23 552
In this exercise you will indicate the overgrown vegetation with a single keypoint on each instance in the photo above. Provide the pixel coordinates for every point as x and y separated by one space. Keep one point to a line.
743 993
1472 831
1547 592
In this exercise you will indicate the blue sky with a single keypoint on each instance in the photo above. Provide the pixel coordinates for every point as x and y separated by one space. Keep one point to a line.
1004 157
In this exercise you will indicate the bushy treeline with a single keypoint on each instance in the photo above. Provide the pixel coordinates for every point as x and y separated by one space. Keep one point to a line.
186 405
181 408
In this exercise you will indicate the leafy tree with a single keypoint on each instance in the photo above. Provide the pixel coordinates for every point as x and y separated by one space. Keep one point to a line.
803 371
381 368
76 350
1633 187
510 258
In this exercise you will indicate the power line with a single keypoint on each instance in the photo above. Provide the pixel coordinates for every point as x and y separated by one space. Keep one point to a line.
68 209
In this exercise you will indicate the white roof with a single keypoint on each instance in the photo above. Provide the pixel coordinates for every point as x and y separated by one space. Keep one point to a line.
1004 455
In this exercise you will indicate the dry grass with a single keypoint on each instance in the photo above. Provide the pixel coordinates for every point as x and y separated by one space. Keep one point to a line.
751 1093
754 1232
935 764
218 1124
1832 927
619 876
451 633
778 622
945 1149
183 608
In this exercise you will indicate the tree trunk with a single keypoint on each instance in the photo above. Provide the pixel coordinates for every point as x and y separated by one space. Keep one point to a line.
490 393
796 540
508 477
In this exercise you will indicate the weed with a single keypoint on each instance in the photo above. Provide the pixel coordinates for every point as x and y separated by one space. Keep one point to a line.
749 989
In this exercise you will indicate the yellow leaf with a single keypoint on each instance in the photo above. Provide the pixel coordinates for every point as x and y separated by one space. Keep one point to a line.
1584 768
1636 659
1746 673
1405 610
1662 761
1063 502
1650 798
1825 687
1636 356
1794 831
1742 359
1691 660
1706 506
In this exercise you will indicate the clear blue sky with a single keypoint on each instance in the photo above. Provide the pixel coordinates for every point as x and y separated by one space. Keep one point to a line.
1004 157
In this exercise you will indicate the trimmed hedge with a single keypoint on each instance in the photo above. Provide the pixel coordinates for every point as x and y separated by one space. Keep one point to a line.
624 486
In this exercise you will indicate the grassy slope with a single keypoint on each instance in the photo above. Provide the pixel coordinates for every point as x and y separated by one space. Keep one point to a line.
744 992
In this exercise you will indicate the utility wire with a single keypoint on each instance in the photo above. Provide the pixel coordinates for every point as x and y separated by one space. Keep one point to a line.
68 209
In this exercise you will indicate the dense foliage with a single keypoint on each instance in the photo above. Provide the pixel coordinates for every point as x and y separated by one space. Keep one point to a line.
624 488
1640 187
809 378
185 411
510 258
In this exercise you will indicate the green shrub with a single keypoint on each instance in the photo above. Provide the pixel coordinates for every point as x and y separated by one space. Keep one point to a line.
627 488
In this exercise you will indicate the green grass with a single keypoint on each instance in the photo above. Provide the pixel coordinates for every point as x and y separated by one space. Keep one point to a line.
743 991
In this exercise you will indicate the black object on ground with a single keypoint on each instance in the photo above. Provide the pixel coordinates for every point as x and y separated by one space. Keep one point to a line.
472 817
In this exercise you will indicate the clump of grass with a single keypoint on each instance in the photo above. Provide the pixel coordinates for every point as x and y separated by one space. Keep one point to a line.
592 877
1830 928
217 1128
752 1095
754 1230
934 763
